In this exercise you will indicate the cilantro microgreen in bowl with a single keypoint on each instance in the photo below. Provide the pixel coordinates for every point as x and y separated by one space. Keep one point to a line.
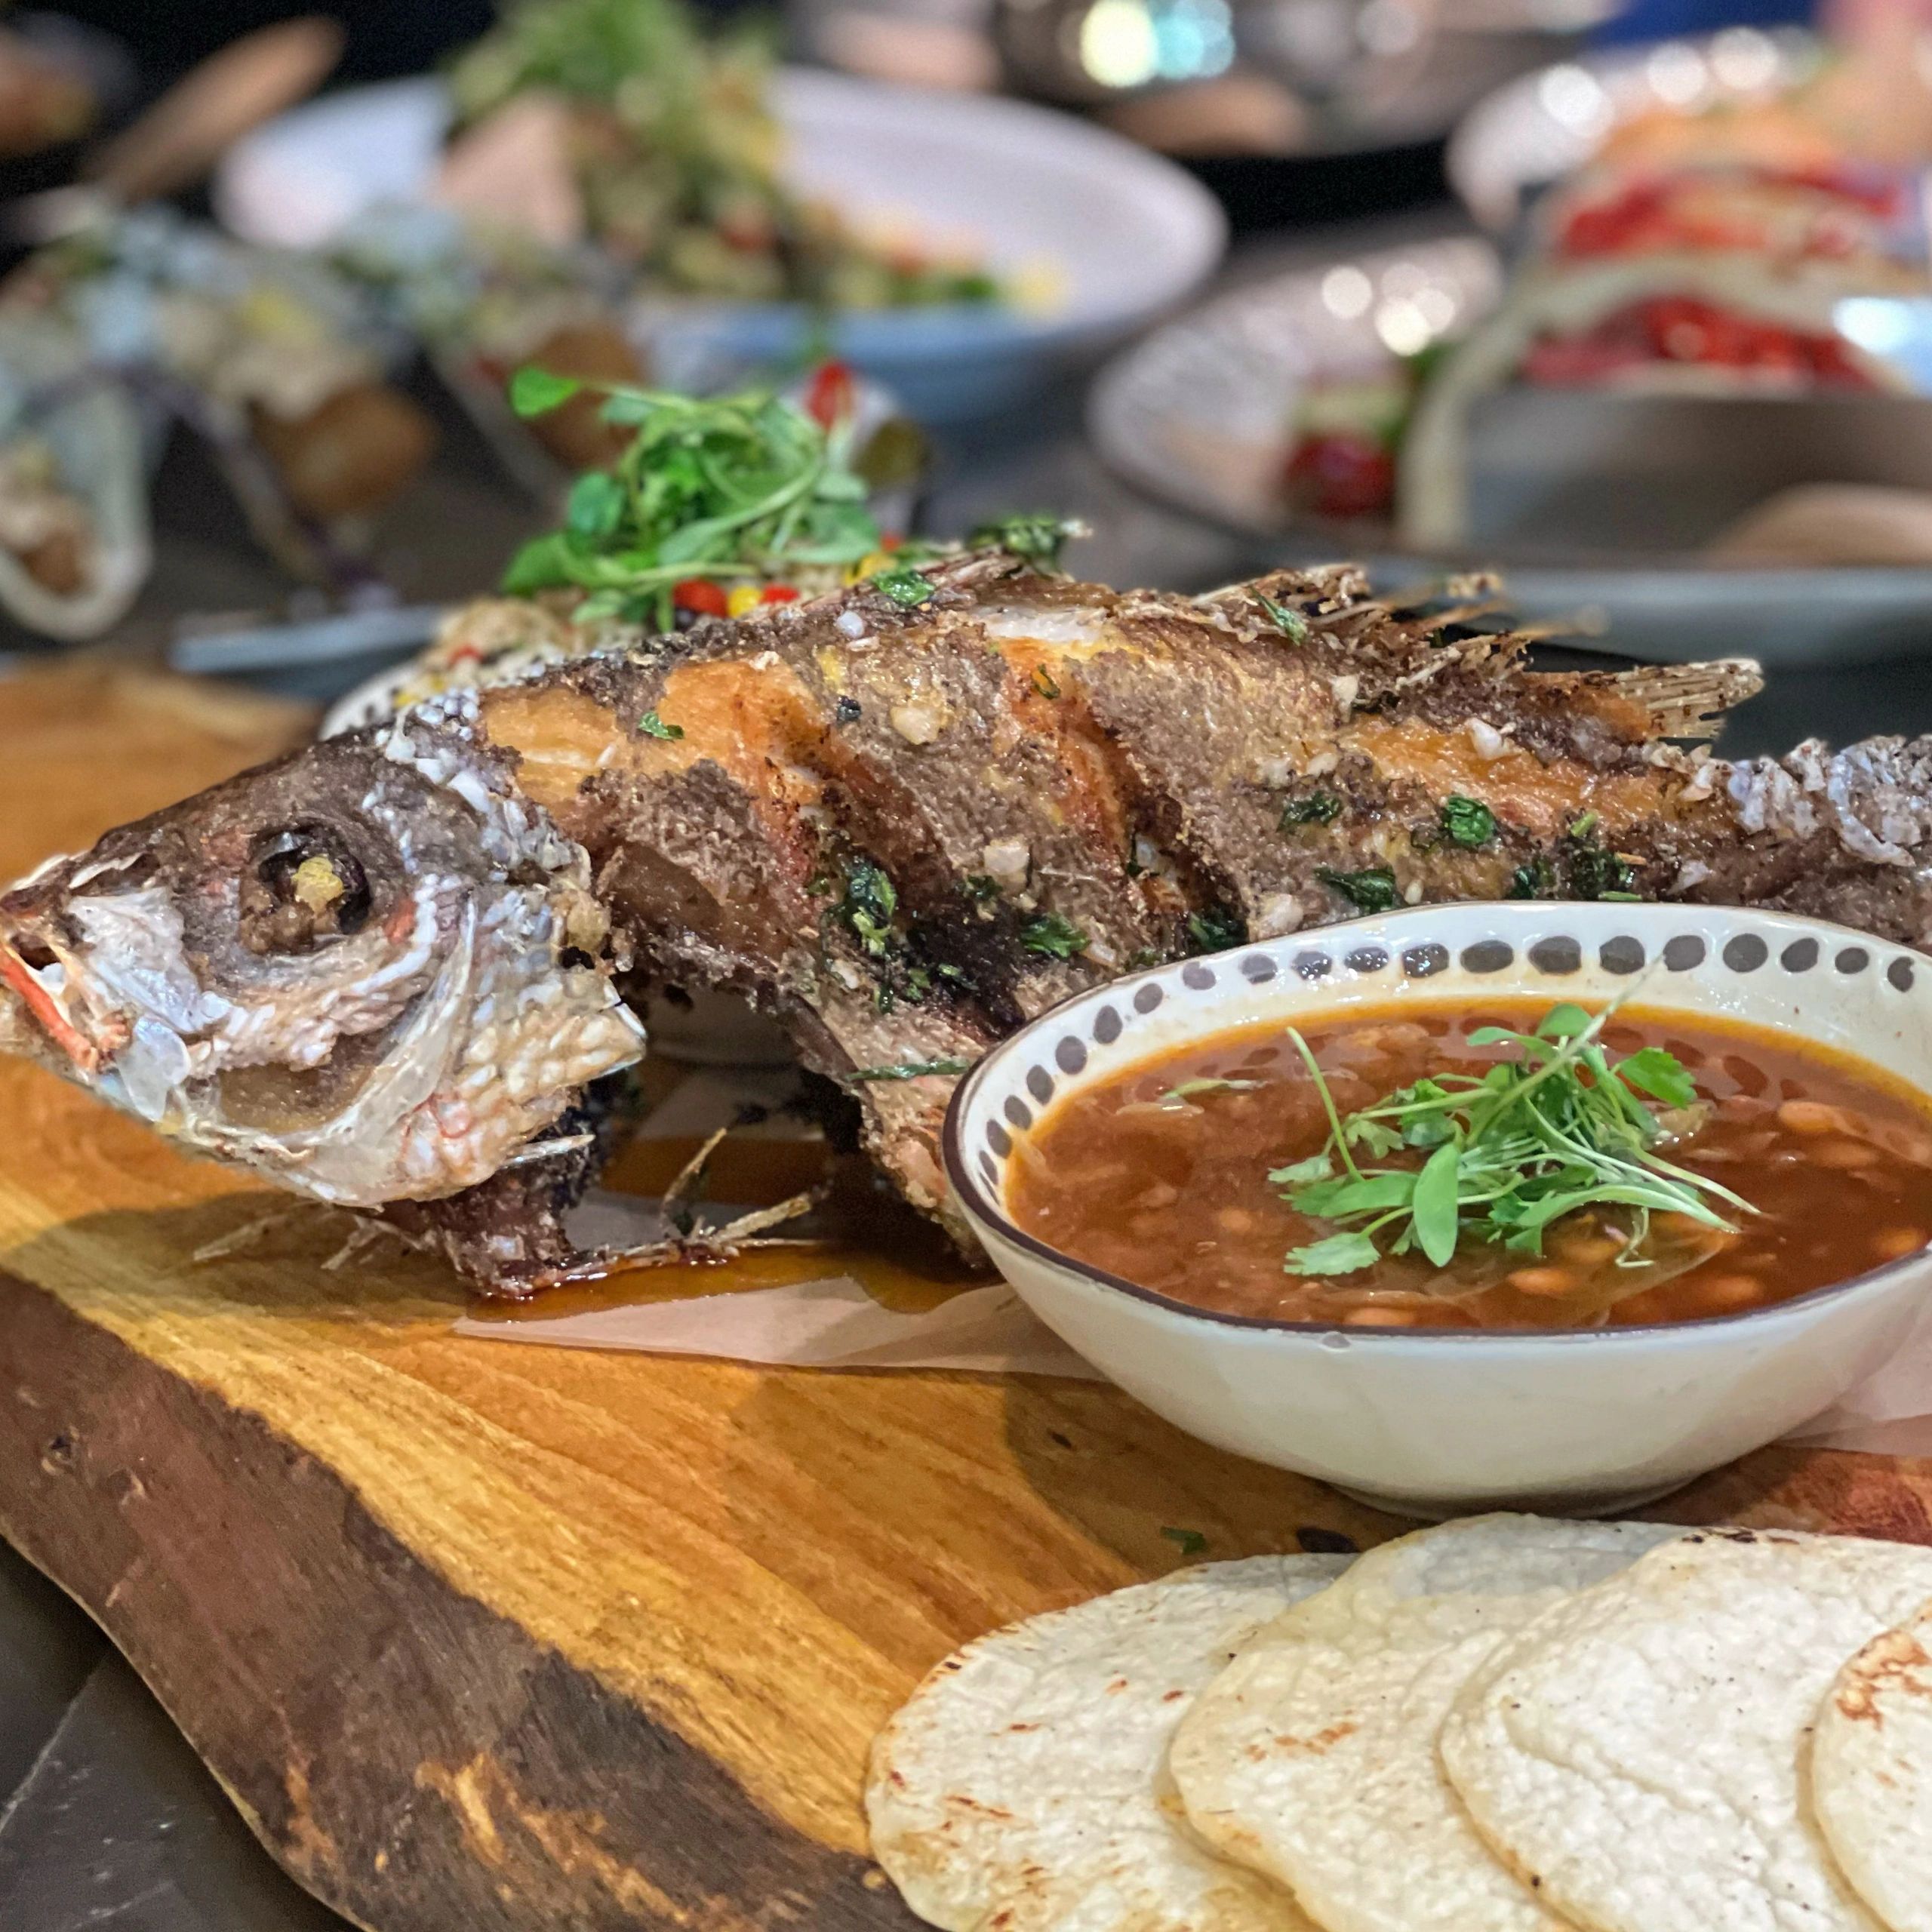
1538 1253
1561 1128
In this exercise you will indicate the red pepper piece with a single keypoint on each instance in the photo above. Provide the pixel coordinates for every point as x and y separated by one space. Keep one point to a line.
1341 475
832 395
701 594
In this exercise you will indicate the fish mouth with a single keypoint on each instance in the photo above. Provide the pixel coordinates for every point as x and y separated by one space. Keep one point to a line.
38 1004
40 992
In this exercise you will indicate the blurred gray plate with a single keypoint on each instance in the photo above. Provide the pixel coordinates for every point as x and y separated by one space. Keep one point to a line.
1538 128
1580 497
1113 235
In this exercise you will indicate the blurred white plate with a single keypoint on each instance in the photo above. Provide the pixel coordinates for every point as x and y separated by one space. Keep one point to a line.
1199 414
1118 235
1540 127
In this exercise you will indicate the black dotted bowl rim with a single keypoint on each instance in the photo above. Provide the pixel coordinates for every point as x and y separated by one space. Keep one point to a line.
1381 927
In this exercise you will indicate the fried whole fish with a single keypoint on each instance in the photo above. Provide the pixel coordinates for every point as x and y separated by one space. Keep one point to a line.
390 971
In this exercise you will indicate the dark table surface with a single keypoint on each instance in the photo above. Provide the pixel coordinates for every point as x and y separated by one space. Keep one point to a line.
106 1817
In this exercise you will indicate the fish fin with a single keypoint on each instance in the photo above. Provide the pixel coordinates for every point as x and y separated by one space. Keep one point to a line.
677 1246
1680 700
505 1236
1689 700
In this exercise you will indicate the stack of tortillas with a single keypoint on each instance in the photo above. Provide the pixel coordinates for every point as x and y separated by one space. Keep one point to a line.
1508 1724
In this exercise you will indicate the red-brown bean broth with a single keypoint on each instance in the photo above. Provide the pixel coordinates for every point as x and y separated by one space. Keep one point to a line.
1172 1193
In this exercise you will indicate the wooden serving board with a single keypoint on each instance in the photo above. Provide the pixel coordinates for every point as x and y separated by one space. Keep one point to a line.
512 1638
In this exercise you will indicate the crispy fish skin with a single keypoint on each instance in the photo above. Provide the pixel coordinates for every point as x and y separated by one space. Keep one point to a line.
901 831
1061 784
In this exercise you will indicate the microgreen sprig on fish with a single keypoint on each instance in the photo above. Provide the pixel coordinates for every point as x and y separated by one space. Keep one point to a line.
1561 1128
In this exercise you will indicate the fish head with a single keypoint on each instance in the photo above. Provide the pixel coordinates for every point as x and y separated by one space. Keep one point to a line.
372 970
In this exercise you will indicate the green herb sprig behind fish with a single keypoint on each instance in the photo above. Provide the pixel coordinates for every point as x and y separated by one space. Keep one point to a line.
747 490
745 486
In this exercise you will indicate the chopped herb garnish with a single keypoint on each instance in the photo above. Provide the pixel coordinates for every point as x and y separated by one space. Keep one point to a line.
1590 871
1037 538
980 889
1287 619
1596 873
1215 929
1561 1127
652 726
1468 821
869 905
1059 938
1043 681
911 1070
904 586
1372 890
1189 1542
1533 881
1318 808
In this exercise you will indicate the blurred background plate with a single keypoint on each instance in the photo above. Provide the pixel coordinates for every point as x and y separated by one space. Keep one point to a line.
98 63
1111 236
1289 109
1544 125
1198 416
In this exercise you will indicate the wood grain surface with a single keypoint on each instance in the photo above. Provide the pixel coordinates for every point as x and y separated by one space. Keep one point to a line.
511 1637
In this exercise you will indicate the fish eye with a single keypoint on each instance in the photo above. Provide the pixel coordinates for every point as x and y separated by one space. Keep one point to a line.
303 888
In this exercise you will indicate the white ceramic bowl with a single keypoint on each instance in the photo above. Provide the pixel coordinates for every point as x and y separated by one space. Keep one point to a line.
1434 1423
1118 234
